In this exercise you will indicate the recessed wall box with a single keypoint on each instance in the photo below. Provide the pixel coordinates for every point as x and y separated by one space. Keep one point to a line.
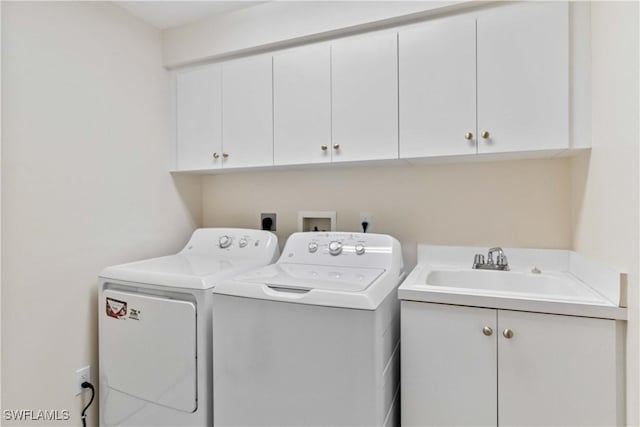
317 221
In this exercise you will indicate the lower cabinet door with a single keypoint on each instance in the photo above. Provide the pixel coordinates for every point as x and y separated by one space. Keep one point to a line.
557 370
448 374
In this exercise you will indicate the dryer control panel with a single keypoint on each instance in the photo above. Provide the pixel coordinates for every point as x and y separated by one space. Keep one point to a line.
342 249
237 242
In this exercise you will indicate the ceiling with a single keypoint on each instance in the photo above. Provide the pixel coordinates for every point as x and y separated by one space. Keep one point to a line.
168 14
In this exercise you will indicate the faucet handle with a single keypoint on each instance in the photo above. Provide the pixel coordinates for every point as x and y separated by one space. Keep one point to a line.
478 259
501 260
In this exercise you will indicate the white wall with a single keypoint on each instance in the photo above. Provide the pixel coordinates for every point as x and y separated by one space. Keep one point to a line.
605 184
85 141
272 23
511 203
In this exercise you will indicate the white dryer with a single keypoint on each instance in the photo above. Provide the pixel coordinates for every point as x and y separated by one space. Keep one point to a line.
155 335
312 339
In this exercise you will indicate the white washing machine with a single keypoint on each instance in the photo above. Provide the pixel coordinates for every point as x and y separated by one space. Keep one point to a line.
312 339
155 328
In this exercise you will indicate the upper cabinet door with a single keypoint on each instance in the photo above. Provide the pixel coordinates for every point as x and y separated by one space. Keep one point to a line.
365 97
199 119
247 118
438 88
523 72
302 105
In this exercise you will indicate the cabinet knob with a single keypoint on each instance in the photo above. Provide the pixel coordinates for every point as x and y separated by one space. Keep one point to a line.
485 134
336 146
323 147
487 331
507 333
225 155
216 155
468 136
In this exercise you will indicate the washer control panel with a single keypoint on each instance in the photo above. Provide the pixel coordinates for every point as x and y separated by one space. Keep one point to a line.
339 248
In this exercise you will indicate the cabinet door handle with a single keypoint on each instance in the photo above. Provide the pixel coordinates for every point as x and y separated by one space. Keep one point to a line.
486 134
336 146
468 136
216 155
225 155
507 333
487 331
323 147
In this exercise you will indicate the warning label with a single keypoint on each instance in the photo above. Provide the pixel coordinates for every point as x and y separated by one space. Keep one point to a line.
116 309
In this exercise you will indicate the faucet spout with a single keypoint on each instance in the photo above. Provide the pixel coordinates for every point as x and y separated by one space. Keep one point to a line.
491 252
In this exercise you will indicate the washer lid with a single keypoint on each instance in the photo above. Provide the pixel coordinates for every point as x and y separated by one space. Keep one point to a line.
307 277
183 270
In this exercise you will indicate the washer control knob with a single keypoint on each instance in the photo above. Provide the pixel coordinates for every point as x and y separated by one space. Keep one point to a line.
224 242
359 249
313 247
335 248
242 243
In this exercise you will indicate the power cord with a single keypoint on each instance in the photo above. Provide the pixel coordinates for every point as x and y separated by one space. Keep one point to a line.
93 394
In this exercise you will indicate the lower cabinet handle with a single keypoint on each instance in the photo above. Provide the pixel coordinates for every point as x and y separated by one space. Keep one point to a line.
507 333
487 331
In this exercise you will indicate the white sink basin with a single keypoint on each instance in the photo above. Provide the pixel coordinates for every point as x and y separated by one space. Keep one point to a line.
568 283
557 286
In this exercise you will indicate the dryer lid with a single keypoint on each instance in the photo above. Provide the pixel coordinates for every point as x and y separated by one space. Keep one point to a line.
192 271
307 277
211 255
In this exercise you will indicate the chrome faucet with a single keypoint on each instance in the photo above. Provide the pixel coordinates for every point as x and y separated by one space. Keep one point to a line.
500 264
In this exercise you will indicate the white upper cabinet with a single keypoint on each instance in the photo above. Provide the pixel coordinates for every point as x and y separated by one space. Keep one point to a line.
199 119
497 80
437 63
302 105
523 78
247 119
365 97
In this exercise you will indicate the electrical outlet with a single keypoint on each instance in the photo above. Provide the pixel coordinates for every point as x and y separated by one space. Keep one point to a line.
368 218
268 221
82 375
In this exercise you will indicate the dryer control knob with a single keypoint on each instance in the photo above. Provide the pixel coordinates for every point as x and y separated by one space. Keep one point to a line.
359 249
224 242
242 243
313 246
335 248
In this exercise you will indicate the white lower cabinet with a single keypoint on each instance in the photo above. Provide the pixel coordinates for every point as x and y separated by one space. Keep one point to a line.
481 366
